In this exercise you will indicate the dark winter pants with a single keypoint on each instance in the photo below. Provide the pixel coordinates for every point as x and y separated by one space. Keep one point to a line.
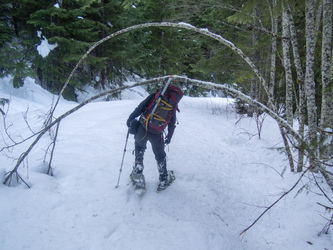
157 143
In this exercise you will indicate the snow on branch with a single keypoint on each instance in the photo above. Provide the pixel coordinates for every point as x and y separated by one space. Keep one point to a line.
272 111
174 25
39 134
199 83
244 98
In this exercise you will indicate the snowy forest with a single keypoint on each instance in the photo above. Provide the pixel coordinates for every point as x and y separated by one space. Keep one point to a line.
273 58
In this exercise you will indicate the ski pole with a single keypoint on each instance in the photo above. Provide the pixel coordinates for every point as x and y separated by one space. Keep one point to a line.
122 161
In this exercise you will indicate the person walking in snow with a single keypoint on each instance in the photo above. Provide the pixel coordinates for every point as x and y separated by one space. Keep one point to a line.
143 134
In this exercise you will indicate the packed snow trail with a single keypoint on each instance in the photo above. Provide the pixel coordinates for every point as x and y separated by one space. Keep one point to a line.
225 177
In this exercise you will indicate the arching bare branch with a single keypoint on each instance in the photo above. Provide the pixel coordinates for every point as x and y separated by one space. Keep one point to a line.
174 25
56 121
199 83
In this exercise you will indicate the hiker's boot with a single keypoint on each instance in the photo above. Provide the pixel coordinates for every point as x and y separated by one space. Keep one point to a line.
136 174
165 181
137 179
166 177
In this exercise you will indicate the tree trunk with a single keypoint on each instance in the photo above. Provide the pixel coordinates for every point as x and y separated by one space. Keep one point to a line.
326 114
331 146
301 88
309 72
326 121
273 51
254 93
287 68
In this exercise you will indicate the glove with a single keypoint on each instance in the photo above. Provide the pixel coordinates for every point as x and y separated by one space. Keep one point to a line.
134 125
167 140
171 130
129 121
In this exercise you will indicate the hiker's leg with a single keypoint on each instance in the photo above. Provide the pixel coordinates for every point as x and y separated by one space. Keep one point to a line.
157 142
140 147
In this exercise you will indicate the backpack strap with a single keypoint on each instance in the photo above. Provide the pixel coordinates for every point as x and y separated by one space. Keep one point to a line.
158 117
167 104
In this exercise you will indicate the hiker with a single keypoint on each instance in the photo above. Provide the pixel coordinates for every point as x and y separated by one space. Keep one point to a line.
143 133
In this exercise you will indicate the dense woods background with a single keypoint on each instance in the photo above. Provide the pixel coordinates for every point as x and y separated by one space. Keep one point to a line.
289 42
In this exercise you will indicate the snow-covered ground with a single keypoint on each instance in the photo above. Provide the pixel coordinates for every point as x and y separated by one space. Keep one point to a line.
225 178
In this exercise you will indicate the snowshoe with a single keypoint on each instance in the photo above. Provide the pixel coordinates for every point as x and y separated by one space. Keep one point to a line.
138 183
162 185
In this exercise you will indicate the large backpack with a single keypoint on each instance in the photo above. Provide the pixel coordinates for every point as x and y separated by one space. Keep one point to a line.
160 110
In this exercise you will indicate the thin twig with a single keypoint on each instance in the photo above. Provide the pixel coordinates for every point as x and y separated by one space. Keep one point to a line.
276 201
5 124
326 207
221 218
267 166
321 189
25 117
327 226
49 170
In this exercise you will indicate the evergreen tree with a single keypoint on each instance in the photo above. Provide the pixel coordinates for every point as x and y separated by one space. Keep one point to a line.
123 54
6 36
13 53
164 50
66 26
6 27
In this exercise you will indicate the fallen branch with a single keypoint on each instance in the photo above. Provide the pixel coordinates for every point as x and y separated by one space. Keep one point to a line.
204 84
181 25
314 177
276 201
50 170
56 121
327 226
266 166
326 207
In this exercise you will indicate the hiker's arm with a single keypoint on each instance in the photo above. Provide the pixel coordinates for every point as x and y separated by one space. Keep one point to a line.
139 109
171 128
